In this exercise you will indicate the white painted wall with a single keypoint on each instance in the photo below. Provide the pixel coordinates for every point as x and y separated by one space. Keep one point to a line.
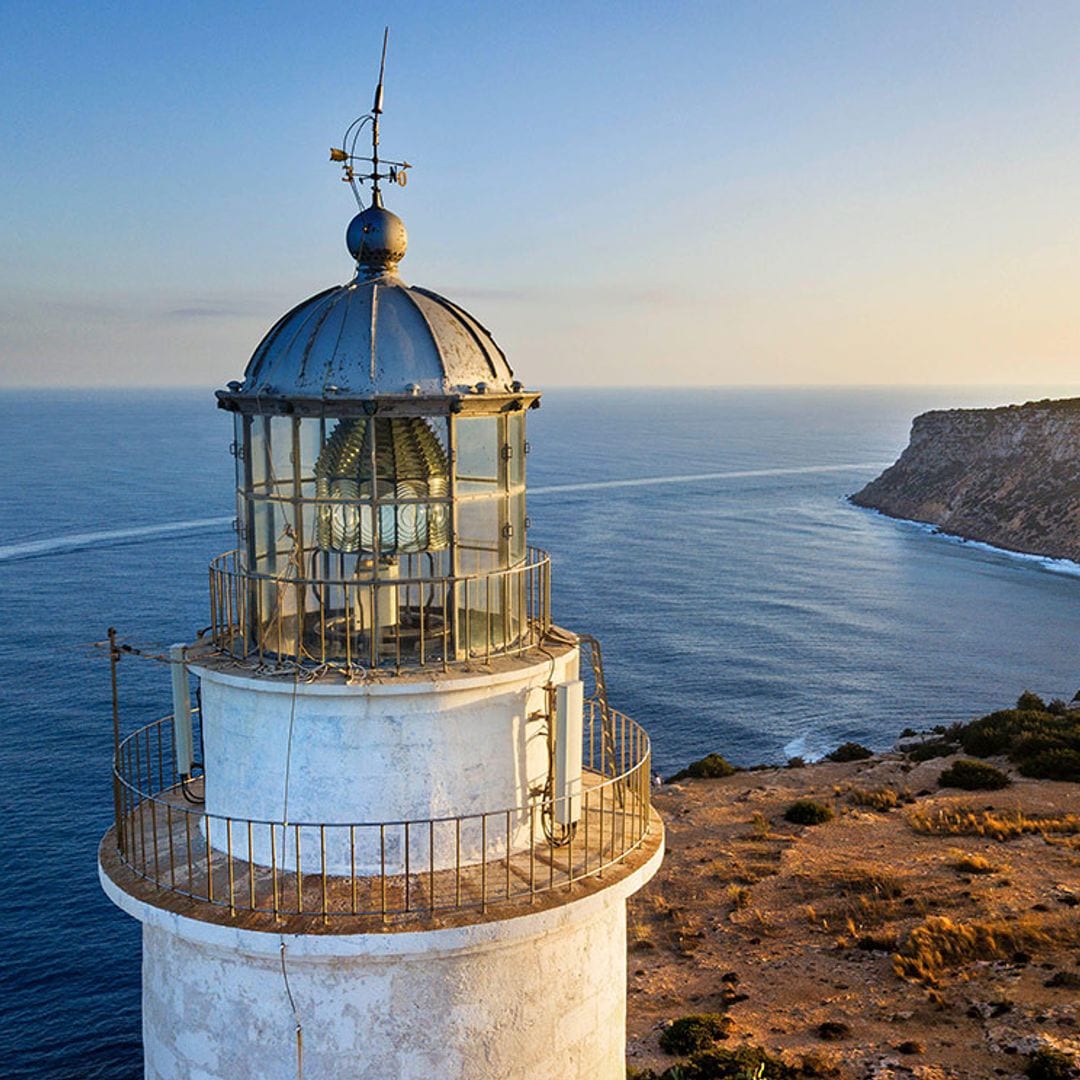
381 752
540 997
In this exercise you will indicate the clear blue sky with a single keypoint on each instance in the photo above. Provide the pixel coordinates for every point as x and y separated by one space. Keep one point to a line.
632 193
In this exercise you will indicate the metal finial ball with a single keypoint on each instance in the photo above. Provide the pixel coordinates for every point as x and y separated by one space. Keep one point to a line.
376 239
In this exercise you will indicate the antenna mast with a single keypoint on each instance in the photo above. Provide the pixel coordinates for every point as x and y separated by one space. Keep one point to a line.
376 110
347 157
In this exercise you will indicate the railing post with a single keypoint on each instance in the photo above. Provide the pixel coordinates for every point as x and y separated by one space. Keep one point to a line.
114 660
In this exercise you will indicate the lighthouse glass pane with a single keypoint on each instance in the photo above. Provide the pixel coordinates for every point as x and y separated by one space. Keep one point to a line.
280 457
477 453
515 441
478 535
517 528
256 450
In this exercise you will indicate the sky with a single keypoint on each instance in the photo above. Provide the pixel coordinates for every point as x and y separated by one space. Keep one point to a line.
723 193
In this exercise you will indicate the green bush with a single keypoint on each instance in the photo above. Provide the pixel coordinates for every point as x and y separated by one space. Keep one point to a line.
973 776
807 812
689 1034
932 748
1032 701
1042 743
1054 763
741 1063
1049 1064
995 732
850 751
710 767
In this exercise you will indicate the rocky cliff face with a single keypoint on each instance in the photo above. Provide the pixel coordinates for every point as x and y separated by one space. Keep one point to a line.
1008 476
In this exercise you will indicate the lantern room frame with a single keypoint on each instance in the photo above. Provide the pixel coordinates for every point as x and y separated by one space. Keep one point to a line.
472 589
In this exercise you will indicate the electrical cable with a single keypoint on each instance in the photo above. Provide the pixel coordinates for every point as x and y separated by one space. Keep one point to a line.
284 827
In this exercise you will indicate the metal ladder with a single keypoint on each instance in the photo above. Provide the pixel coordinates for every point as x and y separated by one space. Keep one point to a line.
608 765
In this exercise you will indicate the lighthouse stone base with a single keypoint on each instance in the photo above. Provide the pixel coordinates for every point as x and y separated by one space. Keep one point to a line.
541 995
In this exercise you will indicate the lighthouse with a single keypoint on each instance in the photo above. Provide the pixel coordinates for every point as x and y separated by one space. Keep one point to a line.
390 827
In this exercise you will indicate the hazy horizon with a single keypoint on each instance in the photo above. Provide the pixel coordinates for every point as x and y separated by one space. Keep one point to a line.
737 195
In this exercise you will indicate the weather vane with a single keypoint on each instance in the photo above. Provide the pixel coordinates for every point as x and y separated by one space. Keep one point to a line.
351 163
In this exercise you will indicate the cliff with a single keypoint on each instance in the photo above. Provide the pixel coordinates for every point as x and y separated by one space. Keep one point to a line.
1008 476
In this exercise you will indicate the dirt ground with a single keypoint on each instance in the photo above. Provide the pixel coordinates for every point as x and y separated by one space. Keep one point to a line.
784 928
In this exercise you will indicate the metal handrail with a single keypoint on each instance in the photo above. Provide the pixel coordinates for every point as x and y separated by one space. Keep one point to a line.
385 869
360 623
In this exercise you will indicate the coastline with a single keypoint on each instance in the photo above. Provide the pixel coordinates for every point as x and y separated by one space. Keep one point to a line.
1065 567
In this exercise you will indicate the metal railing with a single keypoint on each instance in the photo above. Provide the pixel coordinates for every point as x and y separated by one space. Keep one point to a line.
333 871
406 620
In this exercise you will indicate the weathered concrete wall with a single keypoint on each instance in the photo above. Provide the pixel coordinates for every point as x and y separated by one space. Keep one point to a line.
541 997
396 751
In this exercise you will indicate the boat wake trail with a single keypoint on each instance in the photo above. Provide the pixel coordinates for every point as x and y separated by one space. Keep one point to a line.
32 549
107 538
690 478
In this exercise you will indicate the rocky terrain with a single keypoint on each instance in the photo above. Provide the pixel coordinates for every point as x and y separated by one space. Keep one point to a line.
1008 476
907 929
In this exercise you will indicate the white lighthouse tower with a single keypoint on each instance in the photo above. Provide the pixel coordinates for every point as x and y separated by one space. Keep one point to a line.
390 836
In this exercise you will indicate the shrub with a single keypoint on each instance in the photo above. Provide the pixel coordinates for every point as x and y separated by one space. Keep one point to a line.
1021 733
1058 707
833 1029
689 1034
710 767
850 751
932 748
741 1063
994 733
1055 763
807 812
1049 1064
1030 700
973 776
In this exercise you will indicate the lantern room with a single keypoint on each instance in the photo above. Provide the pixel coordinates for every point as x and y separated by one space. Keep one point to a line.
380 481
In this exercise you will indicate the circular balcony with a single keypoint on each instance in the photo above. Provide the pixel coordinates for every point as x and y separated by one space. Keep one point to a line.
393 615
353 876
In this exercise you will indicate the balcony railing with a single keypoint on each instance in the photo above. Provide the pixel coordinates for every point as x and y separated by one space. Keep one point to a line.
329 872
400 621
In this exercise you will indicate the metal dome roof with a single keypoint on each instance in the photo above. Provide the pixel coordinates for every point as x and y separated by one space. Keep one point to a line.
372 338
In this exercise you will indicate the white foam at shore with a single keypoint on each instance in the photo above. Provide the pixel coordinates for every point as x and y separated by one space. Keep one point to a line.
1043 562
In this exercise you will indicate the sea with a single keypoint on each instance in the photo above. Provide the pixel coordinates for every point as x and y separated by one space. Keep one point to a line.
744 607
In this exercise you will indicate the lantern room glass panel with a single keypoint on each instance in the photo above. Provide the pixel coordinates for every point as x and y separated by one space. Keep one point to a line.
375 540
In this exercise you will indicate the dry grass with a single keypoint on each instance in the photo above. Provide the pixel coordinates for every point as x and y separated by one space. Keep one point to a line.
854 880
738 896
759 826
858 898
969 863
994 824
940 943
883 798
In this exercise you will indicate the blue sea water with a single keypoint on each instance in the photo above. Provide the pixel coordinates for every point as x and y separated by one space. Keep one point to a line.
703 536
